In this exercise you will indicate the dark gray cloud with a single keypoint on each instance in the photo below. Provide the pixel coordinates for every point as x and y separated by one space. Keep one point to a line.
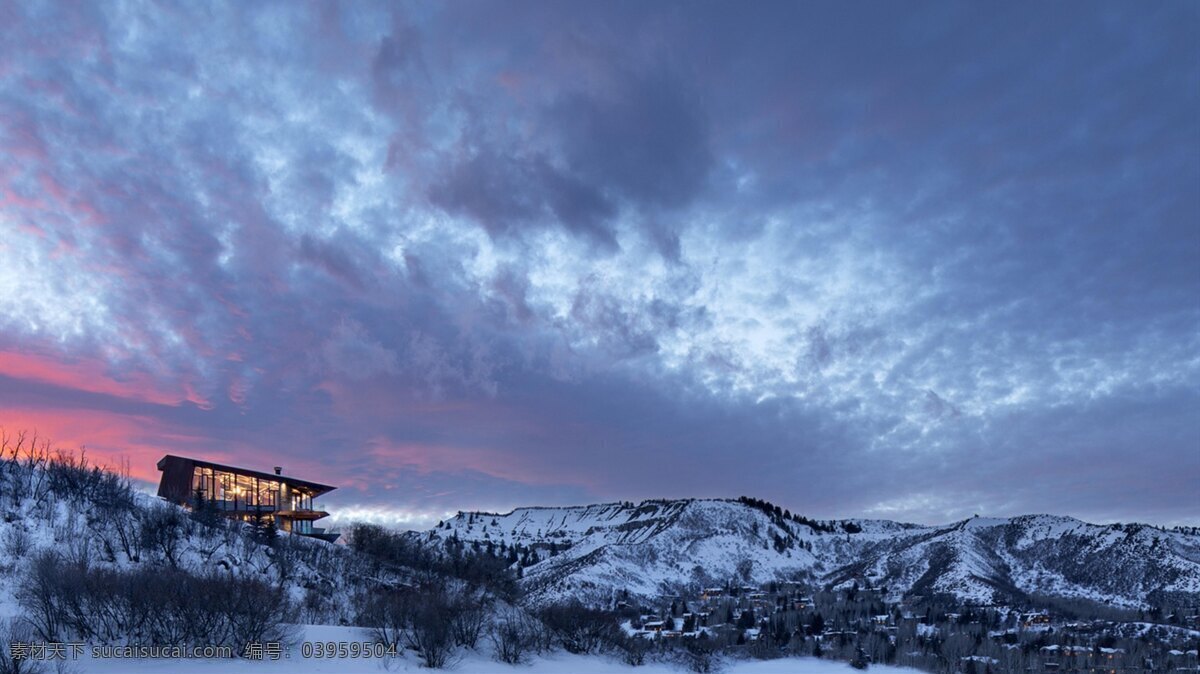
645 139
506 193
910 261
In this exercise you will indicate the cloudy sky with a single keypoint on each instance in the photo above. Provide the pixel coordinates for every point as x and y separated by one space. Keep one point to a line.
903 260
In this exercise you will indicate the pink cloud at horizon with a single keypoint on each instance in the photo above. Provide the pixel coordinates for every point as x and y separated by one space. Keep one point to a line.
92 376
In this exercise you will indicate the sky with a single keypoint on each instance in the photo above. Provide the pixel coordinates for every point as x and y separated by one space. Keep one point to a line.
912 261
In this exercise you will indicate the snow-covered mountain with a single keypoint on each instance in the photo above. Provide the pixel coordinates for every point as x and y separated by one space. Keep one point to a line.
655 547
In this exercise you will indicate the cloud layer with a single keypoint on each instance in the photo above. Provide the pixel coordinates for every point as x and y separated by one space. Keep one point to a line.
904 261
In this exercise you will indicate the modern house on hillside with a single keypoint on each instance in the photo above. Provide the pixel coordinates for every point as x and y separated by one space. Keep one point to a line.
245 495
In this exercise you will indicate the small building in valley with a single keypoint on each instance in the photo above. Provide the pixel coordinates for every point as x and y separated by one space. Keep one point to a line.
245 495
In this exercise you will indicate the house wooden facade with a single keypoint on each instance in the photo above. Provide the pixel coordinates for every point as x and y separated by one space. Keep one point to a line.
246 495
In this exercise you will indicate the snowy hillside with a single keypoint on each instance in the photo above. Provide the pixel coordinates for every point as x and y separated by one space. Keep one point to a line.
65 518
657 546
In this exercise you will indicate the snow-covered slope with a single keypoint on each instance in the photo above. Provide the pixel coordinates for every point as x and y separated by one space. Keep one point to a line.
103 523
992 559
655 547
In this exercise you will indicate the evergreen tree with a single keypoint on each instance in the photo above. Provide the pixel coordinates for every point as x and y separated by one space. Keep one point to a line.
746 620
270 530
818 624
860 659
265 528
204 511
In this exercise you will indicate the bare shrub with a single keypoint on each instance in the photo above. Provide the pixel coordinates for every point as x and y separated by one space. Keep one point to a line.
580 629
316 605
700 655
433 612
387 613
468 617
633 650
160 606
513 636
161 530
544 639
39 595
17 543
16 631
125 526
420 618
255 610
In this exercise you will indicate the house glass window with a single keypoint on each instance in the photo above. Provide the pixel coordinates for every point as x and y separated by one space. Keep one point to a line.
301 500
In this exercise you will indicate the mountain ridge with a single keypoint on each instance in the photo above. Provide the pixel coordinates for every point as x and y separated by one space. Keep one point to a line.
659 545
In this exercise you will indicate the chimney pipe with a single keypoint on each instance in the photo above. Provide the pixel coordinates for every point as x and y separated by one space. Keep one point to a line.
279 470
